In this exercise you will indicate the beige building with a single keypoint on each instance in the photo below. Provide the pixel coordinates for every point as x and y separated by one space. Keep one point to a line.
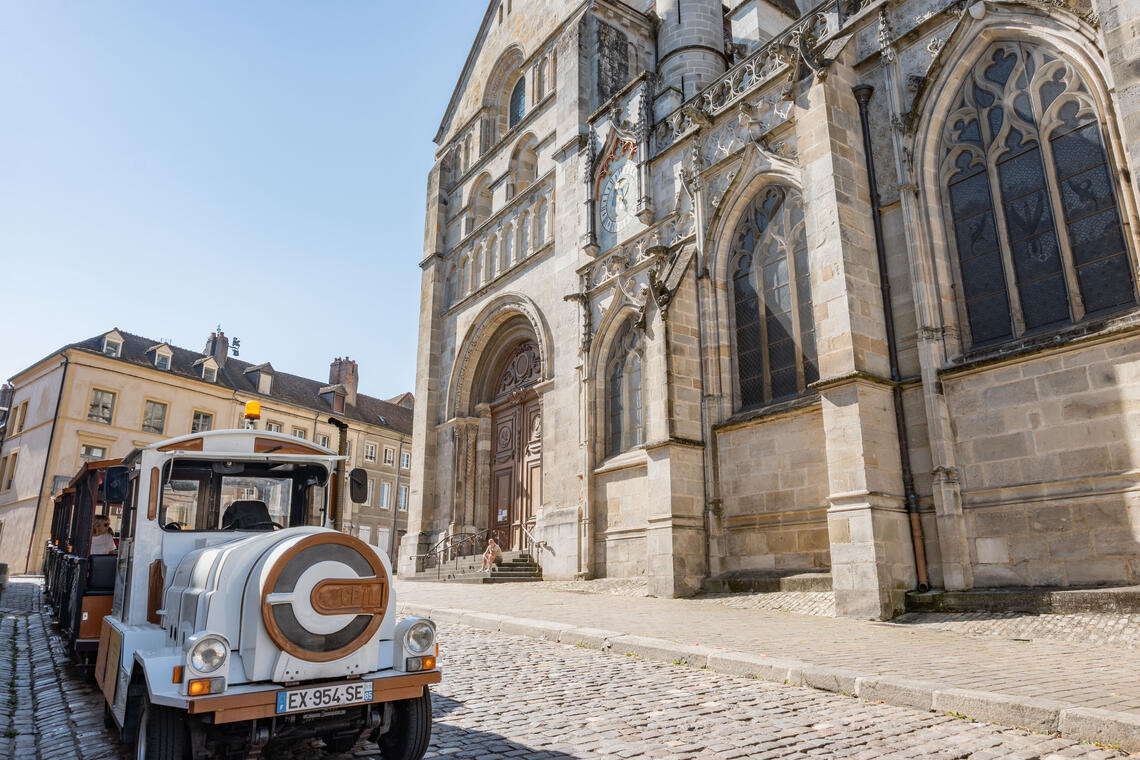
101 397
715 292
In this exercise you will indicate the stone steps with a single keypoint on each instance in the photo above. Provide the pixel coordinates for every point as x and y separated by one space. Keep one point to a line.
1033 600
766 582
517 567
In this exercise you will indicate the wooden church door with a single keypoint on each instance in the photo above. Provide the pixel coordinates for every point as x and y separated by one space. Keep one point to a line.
516 448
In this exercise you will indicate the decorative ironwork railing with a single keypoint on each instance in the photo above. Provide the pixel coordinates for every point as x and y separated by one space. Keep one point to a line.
782 54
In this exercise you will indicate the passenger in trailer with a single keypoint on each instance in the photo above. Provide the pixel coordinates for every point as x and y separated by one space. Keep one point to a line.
102 539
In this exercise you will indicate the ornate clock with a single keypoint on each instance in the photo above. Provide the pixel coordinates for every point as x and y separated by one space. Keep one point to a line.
618 189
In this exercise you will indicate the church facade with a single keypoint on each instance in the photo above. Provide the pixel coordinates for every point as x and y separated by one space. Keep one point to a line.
722 291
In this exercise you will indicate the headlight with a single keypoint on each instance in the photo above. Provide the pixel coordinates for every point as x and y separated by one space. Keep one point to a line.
208 654
420 637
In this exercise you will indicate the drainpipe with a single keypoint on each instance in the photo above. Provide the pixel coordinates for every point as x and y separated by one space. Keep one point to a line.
47 462
336 493
863 94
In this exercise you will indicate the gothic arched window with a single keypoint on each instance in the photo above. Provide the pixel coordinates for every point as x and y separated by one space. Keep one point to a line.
771 287
1031 199
624 428
518 103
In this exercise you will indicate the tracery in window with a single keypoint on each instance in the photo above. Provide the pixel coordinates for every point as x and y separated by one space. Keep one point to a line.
518 103
1031 201
771 285
624 428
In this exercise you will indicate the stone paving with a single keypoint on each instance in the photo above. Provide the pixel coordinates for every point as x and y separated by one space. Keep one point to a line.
511 697
1113 629
1090 676
51 710
1088 628
508 697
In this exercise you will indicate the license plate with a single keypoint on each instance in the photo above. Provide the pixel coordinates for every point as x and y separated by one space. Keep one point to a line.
323 697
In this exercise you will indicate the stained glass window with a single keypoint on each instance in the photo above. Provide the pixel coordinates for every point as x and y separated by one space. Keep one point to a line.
624 420
771 286
1030 197
518 103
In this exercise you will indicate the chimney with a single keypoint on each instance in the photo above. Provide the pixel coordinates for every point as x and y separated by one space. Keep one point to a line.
344 372
6 393
218 346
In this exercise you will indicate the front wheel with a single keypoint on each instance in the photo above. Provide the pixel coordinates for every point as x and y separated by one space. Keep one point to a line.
162 733
410 733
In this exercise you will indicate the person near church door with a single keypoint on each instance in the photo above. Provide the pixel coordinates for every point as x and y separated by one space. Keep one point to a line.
493 556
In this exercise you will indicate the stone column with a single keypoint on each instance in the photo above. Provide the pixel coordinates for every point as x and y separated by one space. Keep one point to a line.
675 536
872 559
1120 30
424 505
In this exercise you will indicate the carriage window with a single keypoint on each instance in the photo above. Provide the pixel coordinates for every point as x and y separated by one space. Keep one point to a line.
197 498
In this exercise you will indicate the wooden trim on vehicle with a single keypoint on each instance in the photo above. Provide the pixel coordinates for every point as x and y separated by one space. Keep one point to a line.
349 596
263 704
95 608
274 446
192 444
380 579
154 592
101 657
152 498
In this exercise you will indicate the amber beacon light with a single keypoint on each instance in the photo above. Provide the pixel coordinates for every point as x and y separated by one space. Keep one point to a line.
253 410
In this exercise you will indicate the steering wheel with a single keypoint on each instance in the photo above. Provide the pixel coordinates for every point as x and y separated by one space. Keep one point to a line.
174 526
257 526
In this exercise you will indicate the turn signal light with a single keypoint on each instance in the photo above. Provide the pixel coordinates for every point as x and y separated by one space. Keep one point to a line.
199 687
412 664
176 675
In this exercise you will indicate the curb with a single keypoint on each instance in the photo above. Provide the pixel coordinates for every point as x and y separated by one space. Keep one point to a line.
1032 713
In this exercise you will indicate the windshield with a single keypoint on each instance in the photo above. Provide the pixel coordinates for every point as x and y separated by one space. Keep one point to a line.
204 496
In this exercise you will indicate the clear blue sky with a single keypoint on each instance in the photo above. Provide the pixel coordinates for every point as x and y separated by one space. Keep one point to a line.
169 166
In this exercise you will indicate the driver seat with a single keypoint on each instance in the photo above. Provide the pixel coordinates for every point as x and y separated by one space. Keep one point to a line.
245 514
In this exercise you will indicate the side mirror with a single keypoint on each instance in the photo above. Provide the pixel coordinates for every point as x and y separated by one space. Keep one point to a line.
116 484
358 485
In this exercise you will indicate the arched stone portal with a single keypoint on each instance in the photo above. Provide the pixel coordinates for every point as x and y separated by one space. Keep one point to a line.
497 475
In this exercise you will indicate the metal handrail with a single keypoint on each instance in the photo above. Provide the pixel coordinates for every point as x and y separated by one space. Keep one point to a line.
454 546
537 545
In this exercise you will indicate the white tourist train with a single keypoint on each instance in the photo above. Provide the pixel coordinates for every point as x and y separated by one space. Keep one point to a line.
240 617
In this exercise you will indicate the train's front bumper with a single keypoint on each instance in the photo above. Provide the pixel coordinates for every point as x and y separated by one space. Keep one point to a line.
261 700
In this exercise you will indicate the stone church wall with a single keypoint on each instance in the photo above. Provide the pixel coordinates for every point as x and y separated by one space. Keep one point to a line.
774 490
1020 454
1049 485
621 516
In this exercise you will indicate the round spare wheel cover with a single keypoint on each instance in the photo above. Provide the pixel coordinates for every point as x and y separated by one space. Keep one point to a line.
364 595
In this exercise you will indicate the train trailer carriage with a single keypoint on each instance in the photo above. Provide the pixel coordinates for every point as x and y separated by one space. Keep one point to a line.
240 618
79 583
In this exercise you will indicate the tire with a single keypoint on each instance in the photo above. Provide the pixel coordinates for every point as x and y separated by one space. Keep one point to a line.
340 744
410 733
162 733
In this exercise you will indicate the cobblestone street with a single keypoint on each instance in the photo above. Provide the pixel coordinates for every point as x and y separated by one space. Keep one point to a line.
506 696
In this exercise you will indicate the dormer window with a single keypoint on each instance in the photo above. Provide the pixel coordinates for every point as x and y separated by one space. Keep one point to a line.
209 374
113 344
261 377
162 356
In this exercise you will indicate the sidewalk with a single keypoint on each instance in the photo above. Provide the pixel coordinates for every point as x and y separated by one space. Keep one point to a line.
1085 692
